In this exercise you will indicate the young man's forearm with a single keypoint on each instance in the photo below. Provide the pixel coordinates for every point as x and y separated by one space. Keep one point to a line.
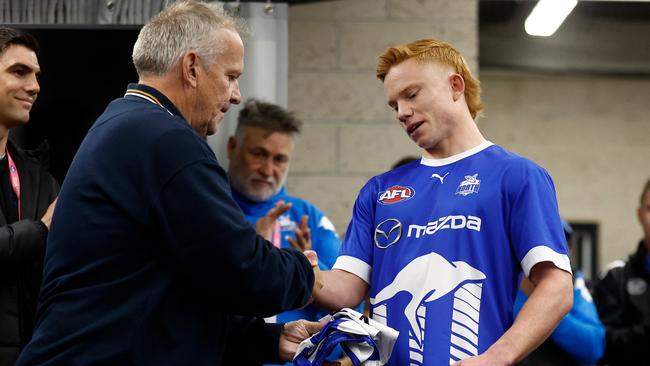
550 301
340 289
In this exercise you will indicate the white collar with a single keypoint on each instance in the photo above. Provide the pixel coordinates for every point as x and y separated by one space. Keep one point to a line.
454 158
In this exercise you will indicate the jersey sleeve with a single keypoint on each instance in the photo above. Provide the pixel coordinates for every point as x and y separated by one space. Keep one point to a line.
356 251
535 224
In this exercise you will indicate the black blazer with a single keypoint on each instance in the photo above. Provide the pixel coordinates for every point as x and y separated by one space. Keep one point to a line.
22 246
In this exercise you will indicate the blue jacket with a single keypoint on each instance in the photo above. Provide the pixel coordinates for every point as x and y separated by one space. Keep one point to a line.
149 260
325 240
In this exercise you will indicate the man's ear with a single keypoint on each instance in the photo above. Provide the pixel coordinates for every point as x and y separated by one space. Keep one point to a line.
232 144
457 84
190 68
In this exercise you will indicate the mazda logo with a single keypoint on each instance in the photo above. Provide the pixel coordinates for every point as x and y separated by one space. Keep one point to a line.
387 233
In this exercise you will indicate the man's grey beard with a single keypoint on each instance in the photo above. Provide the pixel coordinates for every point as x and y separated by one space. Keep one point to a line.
237 186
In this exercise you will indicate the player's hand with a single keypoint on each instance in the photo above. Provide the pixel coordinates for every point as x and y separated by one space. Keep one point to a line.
265 224
488 358
302 241
343 361
318 282
294 333
47 217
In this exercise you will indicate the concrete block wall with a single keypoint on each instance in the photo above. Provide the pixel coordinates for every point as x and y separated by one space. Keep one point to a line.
349 132
590 132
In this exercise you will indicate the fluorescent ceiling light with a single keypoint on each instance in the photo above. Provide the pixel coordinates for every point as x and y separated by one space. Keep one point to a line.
547 16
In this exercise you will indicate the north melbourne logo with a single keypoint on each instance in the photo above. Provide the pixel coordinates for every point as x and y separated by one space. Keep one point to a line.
470 185
396 194
286 224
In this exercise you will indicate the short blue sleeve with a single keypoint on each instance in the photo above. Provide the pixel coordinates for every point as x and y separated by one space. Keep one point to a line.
535 226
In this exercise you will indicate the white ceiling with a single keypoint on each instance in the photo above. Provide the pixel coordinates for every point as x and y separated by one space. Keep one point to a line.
608 37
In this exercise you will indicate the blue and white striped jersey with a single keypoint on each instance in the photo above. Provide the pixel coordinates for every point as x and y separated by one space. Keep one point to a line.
441 243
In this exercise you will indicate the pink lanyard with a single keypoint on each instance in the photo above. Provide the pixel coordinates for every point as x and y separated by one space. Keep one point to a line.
276 240
15 180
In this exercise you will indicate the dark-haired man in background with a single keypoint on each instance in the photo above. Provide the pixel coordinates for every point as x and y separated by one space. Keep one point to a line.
27 196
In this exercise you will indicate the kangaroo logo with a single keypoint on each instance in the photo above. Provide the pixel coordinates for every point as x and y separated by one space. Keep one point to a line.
427 278
441 178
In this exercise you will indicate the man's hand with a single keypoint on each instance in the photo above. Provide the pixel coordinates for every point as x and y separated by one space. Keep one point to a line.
303 244
302 241
296 332
485 359
264 226
548 302
318 282
47 217
344 361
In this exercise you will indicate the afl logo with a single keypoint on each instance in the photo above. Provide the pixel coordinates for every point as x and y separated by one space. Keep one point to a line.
396 194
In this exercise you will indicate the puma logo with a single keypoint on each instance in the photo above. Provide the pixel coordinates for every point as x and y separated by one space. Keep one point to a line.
442 178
